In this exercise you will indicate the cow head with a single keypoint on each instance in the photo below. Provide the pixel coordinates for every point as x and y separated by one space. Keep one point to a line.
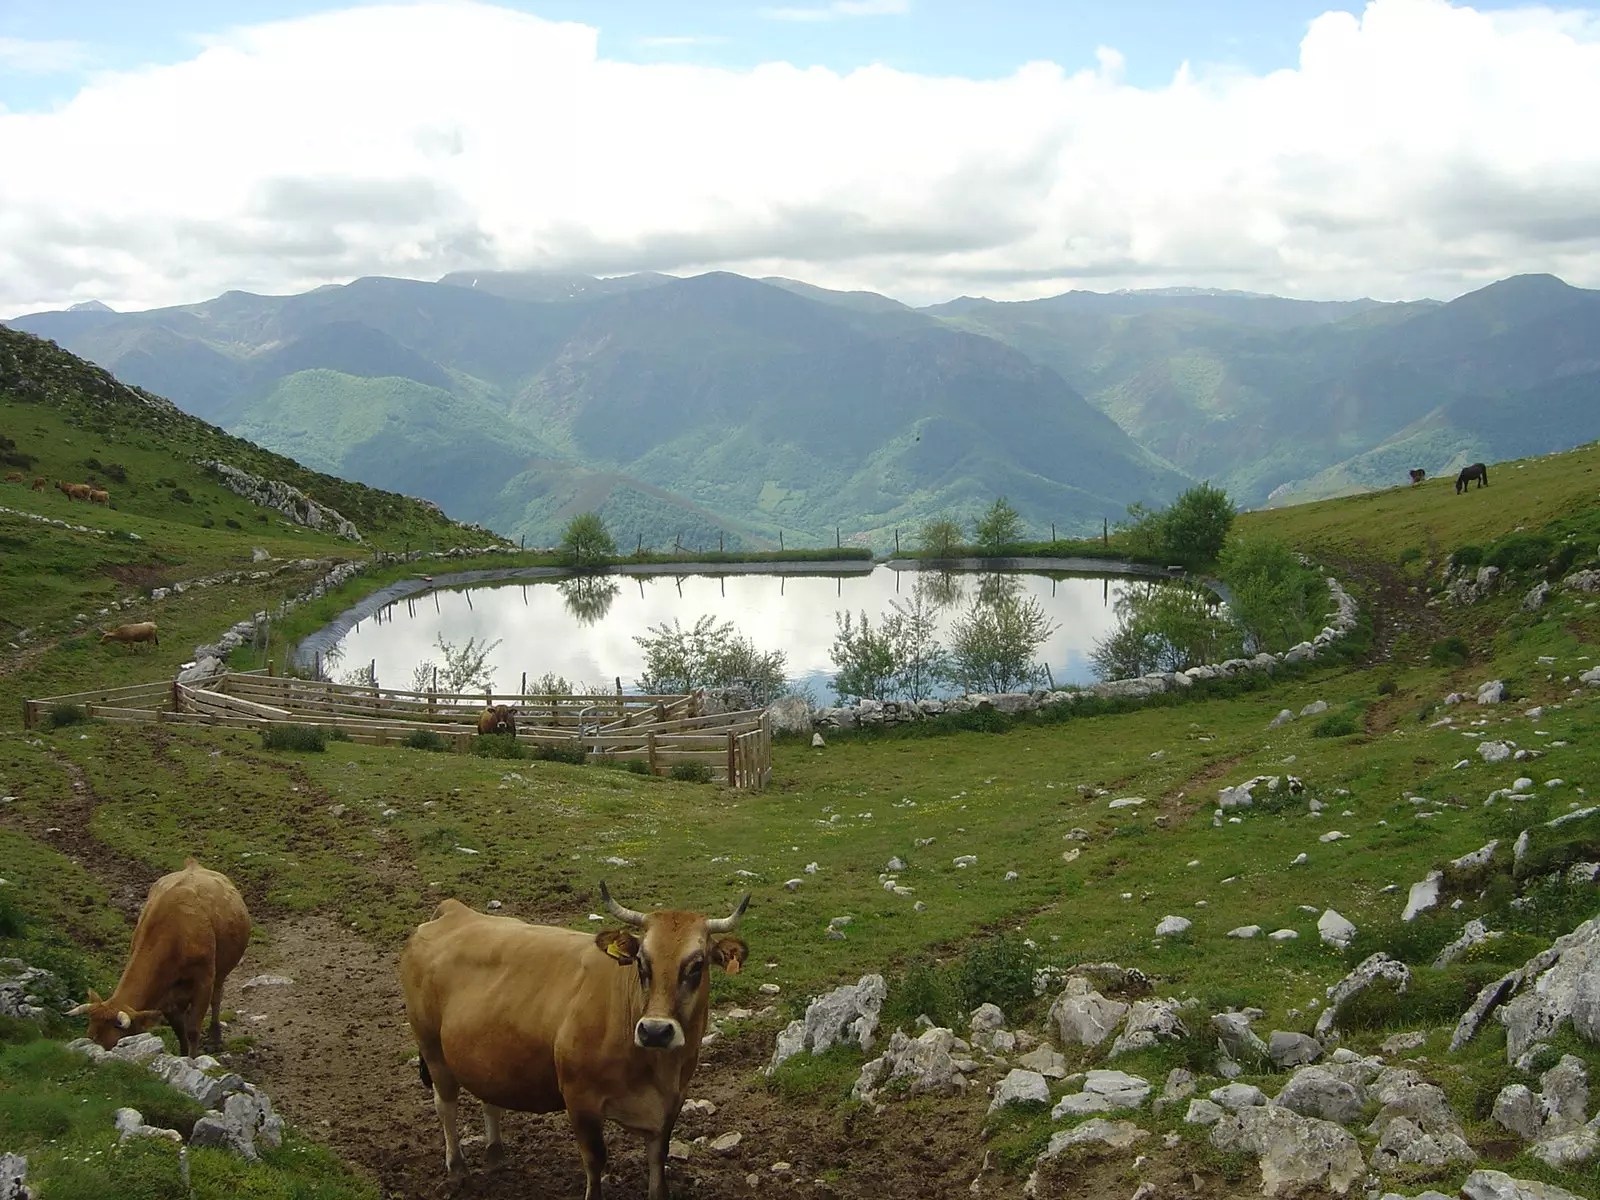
673 954
109 1023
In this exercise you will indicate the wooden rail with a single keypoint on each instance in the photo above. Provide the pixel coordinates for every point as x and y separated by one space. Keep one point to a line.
660 731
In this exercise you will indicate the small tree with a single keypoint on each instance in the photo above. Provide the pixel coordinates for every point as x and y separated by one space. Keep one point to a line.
708 655
941 537
1195 527
999 527
465 668
587 542
992 645
911 628
863 660
1271 592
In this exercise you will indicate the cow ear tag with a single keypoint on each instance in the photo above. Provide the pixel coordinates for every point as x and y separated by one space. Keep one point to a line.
614 942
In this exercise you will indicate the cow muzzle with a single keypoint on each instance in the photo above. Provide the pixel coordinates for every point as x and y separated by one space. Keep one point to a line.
656 1033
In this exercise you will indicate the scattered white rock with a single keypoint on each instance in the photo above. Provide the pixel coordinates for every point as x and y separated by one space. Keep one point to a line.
1169 926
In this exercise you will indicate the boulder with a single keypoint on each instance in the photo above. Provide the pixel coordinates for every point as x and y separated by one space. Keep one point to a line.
846 1015
1492 692
1318 1092
1567 1150
1292 1049
1148 1022
1118 1135
1493 752
1424 895
1538 596
790 714
924 1064
1046 1060
1295 1153
1371 969
1170 926
1517 1109
1566 989
1234 1096
1565 1090
1081 1016
1416 1126
1335 930
1204 1112
1497 1185
1475 933
1020 1087
1238 1040
246 1117
14 1177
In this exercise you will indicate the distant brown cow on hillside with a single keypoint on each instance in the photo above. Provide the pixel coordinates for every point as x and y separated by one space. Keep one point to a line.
74 491
97 496
128 635
13 476
40 483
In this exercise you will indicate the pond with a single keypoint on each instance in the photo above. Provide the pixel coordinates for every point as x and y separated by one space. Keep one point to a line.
583 628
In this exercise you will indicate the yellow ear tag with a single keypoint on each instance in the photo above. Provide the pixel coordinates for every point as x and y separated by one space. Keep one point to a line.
615 951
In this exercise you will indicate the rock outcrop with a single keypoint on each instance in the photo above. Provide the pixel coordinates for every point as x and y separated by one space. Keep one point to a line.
282 497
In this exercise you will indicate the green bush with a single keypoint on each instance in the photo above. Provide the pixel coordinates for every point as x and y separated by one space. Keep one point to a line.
1388 688
561 752
498 745
1410 554
62 715
308 738
924 990
636 766
998 971
12 919
425 739
1465 558
1448 652
1336 724
182 496
1519 552
691 772
337 733
1562 562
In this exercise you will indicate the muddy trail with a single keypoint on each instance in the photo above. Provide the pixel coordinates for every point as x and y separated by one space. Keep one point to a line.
333 1050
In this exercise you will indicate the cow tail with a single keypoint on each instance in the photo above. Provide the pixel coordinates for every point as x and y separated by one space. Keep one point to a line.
422 1069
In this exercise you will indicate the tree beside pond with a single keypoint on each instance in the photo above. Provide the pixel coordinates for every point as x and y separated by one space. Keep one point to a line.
587 542
992 645
465 668
941 538
1192 529
1165 626
901 659
711 654
999 527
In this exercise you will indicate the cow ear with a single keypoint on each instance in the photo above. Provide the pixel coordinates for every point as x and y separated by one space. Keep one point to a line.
147 1019
729 953
619 944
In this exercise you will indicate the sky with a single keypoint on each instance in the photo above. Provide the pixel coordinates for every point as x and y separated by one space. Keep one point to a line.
922 148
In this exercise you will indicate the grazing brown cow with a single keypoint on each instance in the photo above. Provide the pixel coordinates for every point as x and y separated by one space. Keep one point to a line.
13 476
192 931
40 483
498 718
74 491
139 631
96 496
1417 475
538 1019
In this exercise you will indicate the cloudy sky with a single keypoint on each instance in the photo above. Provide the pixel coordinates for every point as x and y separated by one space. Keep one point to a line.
923 148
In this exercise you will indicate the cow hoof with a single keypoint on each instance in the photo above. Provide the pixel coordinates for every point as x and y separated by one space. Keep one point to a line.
494 1156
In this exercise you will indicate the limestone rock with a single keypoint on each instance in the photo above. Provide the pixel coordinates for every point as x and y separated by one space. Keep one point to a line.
1296 1154
1372 969
1081 1016
1204 1112
1416 1126
1292 1049
1492 692
1497 1185
846 1015
1020 1087
1475 933
1423 896
1335 930
246 1117
1565 1089
1046 1060
14 1177
1318 1092
1566 989
1234 1096
790 714
1567 1150
924 1063
1148 1022
1238 1040
1169 926
1118 1135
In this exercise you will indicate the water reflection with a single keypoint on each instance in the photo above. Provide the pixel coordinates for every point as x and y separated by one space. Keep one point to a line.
582 628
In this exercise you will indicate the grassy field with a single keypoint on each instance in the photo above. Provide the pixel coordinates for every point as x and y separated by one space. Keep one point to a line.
373 837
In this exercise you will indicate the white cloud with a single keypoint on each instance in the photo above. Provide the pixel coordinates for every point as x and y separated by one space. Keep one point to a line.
1420 149
683 39
840 8
41 57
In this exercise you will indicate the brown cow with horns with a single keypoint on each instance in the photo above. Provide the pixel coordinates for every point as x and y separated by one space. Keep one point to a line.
538 1019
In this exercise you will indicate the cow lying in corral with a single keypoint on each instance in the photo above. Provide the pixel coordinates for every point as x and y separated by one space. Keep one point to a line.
538 1019
192 931
498 718
128 635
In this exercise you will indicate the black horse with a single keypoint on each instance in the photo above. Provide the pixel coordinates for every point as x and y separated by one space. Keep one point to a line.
1476 471
1417 475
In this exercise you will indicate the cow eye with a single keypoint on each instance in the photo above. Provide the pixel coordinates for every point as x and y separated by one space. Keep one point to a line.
691 974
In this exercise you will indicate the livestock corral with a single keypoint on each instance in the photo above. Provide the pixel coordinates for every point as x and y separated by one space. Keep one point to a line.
656 732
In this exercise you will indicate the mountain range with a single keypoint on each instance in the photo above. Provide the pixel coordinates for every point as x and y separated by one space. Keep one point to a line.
724 408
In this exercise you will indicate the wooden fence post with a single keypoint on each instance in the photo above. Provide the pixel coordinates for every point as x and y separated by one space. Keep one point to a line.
733 770
650 749
177 697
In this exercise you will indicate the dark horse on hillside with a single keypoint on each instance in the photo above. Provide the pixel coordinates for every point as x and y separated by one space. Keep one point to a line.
1476 471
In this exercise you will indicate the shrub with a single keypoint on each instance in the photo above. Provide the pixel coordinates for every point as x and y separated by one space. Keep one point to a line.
232 524
636 766
424 739
497 745
998 971
1448 652
182 496
62 715
1274 594
708 655
586 542
992 644
337 733
1388 688
1410 554
1195 527
1562 562
691 772
999 527
1465 558
1335 724
307 738
924 990
941 538
11 916
562 752
1519 552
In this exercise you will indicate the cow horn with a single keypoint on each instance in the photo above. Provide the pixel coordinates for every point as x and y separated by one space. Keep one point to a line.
626 915
728 924
124 1021
79 1010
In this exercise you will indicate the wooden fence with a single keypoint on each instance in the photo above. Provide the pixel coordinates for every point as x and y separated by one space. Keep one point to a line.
658 731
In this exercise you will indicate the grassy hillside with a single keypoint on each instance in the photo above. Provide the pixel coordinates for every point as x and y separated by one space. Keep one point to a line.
359 842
